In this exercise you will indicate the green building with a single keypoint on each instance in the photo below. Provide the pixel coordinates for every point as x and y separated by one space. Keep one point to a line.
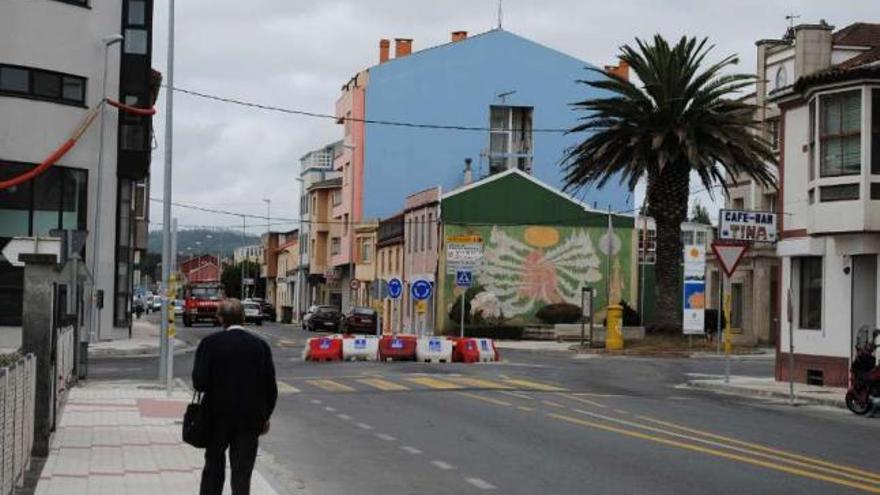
540 247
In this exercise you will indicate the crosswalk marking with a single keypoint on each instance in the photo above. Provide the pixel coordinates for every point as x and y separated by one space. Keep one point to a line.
434 383
486 399
533 385
479 383
330 385
382 384
286 388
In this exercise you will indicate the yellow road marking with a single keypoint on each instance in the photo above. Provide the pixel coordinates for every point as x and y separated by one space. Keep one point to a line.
863 473
286 388
552 404
525 408
434 383
581 399
330 385
533 385
485 399
479 383
382 384
716 453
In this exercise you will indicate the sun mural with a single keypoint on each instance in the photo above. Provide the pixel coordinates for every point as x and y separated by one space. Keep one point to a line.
547 266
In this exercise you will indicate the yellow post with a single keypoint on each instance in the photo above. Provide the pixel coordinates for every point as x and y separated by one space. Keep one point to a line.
728 343
613 328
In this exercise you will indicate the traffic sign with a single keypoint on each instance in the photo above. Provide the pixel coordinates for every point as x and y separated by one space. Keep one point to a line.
355 284
395 288
463 253
30 245
464 278
744 225
421 307
421 290
729 254
248 281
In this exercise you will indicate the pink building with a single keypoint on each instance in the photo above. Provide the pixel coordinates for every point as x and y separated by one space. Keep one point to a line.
422 244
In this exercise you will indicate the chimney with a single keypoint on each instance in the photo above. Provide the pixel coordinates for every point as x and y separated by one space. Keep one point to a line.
468 174
812 49
458 35
384 47
402 47
620 70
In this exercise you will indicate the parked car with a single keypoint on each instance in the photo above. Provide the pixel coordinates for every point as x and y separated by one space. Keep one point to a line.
178 307
268 311
360 320
324 318
157 303
252 312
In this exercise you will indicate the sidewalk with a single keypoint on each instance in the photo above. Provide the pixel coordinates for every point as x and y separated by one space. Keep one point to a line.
769 388
124 437
144 341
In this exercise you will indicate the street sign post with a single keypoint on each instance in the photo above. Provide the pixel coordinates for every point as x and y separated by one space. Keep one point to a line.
355 284
420 291
694 293
463 279
729 254
395 288
586 312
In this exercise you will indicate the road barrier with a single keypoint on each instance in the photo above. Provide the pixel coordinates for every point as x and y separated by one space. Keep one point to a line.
397 348
488 351
434 350
17 396
360 348
466 351
323 349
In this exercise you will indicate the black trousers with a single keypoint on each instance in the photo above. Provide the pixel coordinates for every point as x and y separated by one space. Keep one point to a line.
242 445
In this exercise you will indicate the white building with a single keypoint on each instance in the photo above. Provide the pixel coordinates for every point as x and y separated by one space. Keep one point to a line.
315 166
830 197
52 65
252 253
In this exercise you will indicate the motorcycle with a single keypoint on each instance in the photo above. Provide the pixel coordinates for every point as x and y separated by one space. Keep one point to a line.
863 395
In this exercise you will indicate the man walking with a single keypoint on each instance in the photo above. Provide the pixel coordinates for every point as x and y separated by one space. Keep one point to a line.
234 370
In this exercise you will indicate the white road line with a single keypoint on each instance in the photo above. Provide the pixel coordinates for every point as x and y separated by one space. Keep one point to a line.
364 426
480 483
443 465
411 450
387 438
329 409
316 401
344 417
621 411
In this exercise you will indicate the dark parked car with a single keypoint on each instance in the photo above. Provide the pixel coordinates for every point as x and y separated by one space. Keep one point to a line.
268 310
324 318
360 320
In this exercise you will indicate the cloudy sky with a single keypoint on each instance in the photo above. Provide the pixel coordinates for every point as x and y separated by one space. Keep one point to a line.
297 54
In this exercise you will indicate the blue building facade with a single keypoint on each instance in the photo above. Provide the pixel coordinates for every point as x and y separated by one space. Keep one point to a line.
495 79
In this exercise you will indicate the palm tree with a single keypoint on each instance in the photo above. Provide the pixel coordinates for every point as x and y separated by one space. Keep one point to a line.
683 118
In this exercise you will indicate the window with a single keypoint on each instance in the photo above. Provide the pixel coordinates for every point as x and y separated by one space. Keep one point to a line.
422 234
687 237
773 134
430 227
137 11
738 203
55 199
701 237
811 140
647 246
736 305
510 138
335 245
875 190
840 150
132 137
409 235
809 270
42 84
366 250
136 42
843 192
770 202
337 197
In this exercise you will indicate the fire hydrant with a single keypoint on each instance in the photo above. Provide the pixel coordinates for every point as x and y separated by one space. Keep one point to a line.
613 328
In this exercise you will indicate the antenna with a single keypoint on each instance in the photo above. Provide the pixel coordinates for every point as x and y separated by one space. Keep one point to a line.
791 18
500 12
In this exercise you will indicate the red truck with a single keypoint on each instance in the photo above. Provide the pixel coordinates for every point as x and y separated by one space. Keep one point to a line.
201 300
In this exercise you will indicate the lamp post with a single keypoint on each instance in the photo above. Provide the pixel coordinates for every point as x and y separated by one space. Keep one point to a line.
95 329
350 224
268 244
166 341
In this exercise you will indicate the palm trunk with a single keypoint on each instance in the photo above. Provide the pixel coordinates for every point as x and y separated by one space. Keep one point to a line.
667 204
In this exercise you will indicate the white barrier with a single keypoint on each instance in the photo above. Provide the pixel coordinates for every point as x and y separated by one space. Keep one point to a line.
488 354
17 398
360 348
434 349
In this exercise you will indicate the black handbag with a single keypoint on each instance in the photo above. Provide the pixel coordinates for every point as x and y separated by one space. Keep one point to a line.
196 426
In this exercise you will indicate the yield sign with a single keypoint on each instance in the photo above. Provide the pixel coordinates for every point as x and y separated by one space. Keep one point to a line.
729 254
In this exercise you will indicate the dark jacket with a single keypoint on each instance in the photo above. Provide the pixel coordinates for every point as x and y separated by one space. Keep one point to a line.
235 371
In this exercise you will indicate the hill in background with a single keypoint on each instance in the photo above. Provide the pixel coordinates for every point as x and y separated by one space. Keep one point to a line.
203 241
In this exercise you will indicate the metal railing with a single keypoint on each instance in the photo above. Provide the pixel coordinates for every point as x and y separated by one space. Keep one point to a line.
17 397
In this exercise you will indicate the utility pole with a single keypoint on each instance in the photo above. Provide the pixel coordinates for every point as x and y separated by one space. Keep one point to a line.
268 243
166 344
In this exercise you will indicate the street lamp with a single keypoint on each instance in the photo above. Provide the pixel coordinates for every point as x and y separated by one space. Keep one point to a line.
107 41
350 224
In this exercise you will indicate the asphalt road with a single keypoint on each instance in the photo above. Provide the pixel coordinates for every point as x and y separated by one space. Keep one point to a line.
540 422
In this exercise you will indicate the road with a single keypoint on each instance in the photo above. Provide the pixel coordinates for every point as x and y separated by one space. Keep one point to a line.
541 422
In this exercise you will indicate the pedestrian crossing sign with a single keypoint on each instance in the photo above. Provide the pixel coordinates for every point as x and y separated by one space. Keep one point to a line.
464 278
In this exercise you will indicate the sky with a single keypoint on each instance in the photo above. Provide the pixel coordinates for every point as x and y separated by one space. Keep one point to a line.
297 54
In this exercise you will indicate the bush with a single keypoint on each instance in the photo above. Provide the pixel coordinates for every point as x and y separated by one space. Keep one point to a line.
559 313
631 317
9 359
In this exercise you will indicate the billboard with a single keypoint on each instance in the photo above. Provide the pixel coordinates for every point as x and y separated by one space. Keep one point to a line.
743 225
694 295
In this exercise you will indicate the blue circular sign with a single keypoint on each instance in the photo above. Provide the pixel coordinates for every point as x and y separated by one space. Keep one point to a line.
421 290
395 288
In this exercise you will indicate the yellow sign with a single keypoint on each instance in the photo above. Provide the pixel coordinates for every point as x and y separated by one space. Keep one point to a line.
464 239
172 331
421 307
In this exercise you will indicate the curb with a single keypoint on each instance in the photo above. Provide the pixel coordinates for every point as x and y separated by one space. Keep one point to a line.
727 389
136 353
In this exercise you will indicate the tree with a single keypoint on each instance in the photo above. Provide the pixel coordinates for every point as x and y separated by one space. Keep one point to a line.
700 214
231 279
686 116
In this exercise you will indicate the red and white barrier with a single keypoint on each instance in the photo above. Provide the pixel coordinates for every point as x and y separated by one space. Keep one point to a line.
434 350
397 348
360 348
323 349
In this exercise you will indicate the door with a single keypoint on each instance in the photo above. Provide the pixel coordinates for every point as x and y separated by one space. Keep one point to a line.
864 294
